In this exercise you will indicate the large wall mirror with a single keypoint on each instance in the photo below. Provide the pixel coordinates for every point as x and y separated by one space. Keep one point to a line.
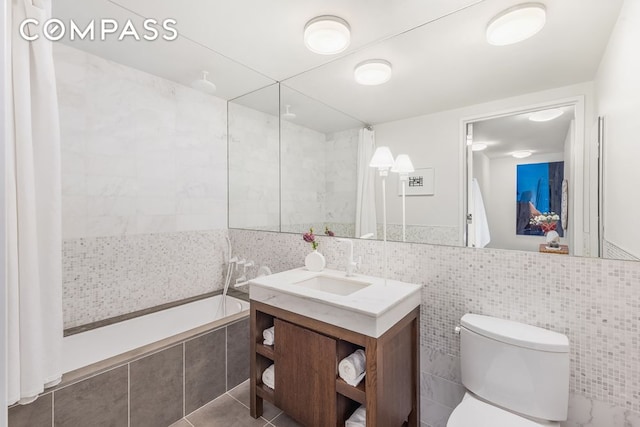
446 80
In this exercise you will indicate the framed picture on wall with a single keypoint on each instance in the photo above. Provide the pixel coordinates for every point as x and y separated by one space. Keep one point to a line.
419 183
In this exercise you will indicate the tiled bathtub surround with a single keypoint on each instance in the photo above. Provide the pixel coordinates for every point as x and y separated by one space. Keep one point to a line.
595 302
105 277
155 390
141 156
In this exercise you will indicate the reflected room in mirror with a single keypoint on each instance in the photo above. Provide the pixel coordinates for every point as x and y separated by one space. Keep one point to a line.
518 156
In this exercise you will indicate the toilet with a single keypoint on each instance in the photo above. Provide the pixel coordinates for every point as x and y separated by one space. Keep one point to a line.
516 375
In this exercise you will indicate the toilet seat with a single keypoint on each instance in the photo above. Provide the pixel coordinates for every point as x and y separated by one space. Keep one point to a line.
473 412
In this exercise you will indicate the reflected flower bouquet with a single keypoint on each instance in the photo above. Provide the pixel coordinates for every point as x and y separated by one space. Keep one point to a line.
547 221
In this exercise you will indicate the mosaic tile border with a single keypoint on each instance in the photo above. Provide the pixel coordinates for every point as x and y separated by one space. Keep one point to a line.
104 277
595 302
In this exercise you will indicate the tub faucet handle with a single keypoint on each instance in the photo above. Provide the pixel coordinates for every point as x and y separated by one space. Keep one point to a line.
456 330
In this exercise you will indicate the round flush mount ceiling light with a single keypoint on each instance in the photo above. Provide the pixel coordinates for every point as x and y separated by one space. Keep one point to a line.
516 24
521 154
373 72
327 35
478 146
546 115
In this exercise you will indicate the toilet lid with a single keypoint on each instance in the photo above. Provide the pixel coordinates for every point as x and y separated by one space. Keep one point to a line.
473 412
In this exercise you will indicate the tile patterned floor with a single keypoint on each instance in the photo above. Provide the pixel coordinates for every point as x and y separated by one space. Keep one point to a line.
232 410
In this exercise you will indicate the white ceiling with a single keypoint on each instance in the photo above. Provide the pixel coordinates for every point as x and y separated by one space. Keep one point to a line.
448 64
504 135
247 44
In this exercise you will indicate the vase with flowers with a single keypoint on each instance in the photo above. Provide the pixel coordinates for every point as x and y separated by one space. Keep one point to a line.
314 261
547 221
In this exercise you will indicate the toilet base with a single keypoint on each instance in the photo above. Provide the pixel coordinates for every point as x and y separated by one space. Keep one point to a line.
474 412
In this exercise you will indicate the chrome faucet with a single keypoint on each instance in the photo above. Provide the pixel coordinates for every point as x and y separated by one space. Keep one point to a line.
351 264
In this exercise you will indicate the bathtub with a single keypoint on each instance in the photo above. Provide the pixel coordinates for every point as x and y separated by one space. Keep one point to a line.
96 345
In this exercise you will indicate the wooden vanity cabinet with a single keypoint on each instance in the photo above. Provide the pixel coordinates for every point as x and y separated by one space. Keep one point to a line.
306 353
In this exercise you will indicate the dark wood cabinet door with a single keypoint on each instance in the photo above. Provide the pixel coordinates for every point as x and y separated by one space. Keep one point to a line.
305 371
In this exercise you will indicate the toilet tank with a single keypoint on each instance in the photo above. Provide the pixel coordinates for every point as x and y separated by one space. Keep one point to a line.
519 367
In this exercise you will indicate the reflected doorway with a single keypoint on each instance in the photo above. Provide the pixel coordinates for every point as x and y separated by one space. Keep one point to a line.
520 185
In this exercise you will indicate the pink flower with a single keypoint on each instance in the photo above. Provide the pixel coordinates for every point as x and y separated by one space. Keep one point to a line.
328 232
310 238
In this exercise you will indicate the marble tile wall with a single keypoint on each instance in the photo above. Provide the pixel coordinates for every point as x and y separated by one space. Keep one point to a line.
595 302
317 171
140 154
302 168
254 169
341 176
144 164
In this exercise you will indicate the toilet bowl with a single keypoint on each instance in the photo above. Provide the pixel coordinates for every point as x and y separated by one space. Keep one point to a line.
516 375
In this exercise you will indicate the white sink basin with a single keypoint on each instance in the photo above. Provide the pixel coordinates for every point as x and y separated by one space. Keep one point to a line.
333 285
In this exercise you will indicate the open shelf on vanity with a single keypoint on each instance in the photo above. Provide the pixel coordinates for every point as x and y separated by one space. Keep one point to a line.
312 376
357 393
265 350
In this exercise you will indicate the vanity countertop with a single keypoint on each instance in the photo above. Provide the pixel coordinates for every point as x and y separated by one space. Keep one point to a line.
371 310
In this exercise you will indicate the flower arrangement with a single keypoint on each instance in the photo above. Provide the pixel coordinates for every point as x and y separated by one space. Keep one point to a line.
547 221
328 232
310 238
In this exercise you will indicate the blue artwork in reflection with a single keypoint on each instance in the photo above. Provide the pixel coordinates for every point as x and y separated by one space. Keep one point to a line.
538 190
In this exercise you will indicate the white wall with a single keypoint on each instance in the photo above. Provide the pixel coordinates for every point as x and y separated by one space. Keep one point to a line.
436 140
501 206
140 154
618 91
430 141
5 39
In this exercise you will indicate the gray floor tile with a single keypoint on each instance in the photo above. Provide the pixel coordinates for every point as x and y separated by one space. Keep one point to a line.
181 423
242 394
284 420
35 414
156 388
225 411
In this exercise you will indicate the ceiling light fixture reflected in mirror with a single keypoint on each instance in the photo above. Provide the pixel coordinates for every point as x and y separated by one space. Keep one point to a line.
521 154
546 115
516 24
288 114
373 72
204 85
327 35
478 146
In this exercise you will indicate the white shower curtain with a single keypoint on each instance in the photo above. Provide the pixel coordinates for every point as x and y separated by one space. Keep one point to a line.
33 227
366 203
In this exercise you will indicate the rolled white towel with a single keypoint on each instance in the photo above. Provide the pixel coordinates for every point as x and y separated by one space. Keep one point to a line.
352 368
268 335
358 418
269 377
